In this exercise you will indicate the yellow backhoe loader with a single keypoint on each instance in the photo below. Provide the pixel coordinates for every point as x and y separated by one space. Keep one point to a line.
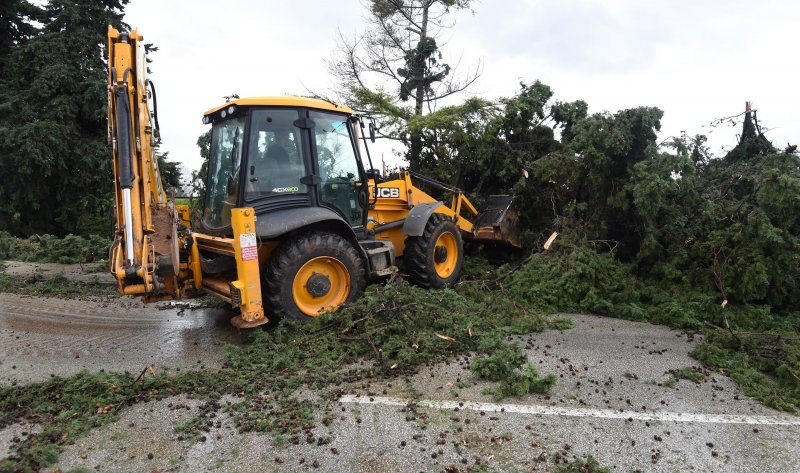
293 222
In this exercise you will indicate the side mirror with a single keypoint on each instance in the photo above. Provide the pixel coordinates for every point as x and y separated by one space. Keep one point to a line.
372 131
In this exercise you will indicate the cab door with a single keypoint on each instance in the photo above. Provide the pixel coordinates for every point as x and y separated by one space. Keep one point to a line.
341 177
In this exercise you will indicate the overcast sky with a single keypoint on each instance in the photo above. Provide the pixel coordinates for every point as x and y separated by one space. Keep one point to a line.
696 60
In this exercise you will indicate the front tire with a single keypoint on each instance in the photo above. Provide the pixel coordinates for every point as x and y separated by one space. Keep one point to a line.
312 274
434 259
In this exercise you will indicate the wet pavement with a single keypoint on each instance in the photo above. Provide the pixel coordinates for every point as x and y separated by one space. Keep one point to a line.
610 401
40 336
614 399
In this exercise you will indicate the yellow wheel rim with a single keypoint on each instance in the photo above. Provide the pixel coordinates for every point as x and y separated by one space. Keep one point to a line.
445 255
323 283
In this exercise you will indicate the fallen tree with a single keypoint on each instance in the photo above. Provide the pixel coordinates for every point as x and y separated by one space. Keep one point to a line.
663 232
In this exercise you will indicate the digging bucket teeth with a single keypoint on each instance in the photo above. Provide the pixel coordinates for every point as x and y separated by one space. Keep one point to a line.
498 220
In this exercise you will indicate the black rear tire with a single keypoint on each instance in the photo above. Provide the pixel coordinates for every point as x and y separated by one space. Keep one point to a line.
420 255
288 261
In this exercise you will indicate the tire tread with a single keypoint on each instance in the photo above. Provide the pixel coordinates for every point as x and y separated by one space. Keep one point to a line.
292 254
420 270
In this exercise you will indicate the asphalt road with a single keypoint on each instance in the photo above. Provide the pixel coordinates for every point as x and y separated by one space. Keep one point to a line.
609 402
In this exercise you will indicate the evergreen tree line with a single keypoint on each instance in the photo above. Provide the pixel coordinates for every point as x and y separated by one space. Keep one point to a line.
55 162
669 210
674 212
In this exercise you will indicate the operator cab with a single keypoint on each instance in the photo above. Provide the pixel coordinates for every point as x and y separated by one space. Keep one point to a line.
278 153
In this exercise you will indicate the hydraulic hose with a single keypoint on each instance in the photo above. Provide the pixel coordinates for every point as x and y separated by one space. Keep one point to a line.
155 105
125 160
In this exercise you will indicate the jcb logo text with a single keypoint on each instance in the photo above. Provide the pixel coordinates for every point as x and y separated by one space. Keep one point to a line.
388 192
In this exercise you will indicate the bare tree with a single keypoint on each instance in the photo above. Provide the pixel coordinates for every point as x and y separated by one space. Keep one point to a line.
397 60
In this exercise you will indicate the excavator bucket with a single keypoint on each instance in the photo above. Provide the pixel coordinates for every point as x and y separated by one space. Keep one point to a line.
498 220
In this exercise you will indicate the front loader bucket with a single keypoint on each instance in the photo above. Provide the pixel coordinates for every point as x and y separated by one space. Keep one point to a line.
498 220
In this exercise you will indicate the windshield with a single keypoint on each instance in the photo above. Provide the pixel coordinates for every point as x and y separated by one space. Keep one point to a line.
275 156
225 158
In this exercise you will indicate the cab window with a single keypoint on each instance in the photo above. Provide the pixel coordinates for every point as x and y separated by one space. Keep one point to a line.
275 155
338 165
225 158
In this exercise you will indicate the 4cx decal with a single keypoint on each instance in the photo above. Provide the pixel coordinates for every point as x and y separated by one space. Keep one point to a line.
388 192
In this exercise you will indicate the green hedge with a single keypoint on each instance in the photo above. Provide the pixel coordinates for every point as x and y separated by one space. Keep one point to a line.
50 249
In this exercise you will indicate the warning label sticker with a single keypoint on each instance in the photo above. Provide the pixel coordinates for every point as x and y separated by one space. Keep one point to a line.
247 241
250 253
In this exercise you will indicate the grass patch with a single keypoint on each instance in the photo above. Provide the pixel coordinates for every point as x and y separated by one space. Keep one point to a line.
560 323
194 429
65 408
589 465
280 441
54 286
508 364
575 278
766 368
692 374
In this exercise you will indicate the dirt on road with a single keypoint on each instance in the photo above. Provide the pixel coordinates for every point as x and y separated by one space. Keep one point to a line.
616 398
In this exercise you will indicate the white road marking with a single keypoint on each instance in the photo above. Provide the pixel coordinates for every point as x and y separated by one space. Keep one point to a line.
577 411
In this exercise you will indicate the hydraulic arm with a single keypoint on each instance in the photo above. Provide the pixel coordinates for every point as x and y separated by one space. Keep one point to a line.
155 254
146 227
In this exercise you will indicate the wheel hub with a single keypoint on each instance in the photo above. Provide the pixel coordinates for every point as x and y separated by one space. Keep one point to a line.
440 254
446 254
318 285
